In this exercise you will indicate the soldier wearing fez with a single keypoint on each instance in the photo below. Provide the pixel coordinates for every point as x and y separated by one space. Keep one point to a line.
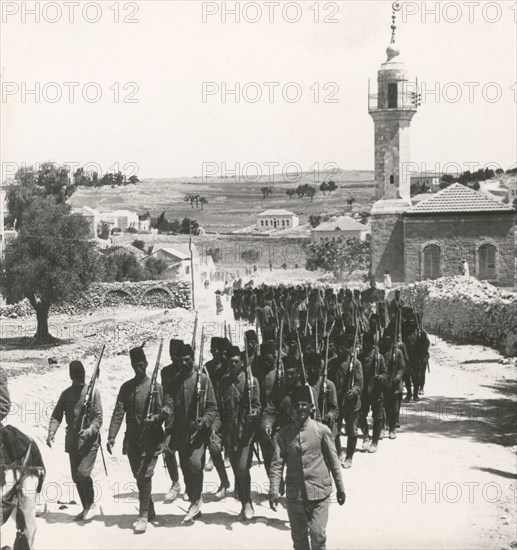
190 395
81 445
171 462
306 447
238 397
143 440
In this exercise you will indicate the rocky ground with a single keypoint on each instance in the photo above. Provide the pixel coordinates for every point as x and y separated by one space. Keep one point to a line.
448 481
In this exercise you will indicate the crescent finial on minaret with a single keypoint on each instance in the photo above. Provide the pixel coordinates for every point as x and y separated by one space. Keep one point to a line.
392 51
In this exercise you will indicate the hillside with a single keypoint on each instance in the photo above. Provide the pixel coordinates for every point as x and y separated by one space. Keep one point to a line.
231 204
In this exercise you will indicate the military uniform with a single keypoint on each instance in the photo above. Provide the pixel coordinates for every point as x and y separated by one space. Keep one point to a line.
237 432
310 458
180 395
375 378
5 401
82 452
394 360
142 445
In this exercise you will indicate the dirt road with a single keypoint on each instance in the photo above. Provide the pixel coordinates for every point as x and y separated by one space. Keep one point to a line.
448 481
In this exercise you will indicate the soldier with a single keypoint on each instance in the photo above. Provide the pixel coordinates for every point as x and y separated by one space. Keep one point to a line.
252 344
395 306
143 440
394 360
217 367
169 454
348 378
375 378
5 400
191 396
328 403
267 377
238 397
81 445
307 449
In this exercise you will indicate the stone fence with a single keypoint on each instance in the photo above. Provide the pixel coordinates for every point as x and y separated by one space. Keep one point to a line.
466 310
153 294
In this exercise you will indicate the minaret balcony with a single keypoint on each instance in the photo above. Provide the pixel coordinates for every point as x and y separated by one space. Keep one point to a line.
401 101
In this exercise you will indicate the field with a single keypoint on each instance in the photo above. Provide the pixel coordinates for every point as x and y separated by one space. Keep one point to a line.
231 205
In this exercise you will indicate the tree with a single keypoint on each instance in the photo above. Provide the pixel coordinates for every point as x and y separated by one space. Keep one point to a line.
51 260
311 191
499 172
446 180
332 186
103 230
131 229
290 193
476 186
161 223
266 191
138 243
324 187
133 179
31 185
341 257
155 267
187 225
350 202
203 201
314 220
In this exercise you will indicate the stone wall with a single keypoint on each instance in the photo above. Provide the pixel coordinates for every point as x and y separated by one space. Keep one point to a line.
466 310
460 236
153 294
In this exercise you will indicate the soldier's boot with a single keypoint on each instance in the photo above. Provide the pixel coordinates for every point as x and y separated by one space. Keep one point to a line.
90 512
173 492
221 492
351 444
193 513
140 525
366 443
376 436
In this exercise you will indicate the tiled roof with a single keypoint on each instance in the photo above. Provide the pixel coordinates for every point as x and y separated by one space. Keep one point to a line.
458 198
344 223
276 213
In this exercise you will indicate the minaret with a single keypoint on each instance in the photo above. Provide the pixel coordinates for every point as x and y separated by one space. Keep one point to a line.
392 110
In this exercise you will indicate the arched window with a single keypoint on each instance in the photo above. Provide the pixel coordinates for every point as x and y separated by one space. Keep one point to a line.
487 262
432 258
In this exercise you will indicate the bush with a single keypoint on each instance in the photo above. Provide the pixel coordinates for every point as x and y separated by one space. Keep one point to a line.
138 243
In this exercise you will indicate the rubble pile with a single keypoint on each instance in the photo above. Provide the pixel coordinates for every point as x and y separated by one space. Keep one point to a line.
467 310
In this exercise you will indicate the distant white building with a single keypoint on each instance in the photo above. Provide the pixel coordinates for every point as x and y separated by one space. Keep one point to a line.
424 182
144 223
177 256
93 217
344 227
277 219
123 219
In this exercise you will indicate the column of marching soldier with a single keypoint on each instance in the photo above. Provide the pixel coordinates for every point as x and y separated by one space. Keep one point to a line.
325 361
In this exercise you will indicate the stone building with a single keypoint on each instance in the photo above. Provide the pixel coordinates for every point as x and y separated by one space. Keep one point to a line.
344 227
458 223
277 219
429 239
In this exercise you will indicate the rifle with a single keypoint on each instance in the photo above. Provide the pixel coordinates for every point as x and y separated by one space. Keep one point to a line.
418 327
316 336
229 332
353 359
325 376
249 376
88 400
194 334
304 375
307 310
280 375
199 370
154 379
151 398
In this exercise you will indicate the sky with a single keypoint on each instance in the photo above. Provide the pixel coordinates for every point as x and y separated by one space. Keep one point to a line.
151 118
